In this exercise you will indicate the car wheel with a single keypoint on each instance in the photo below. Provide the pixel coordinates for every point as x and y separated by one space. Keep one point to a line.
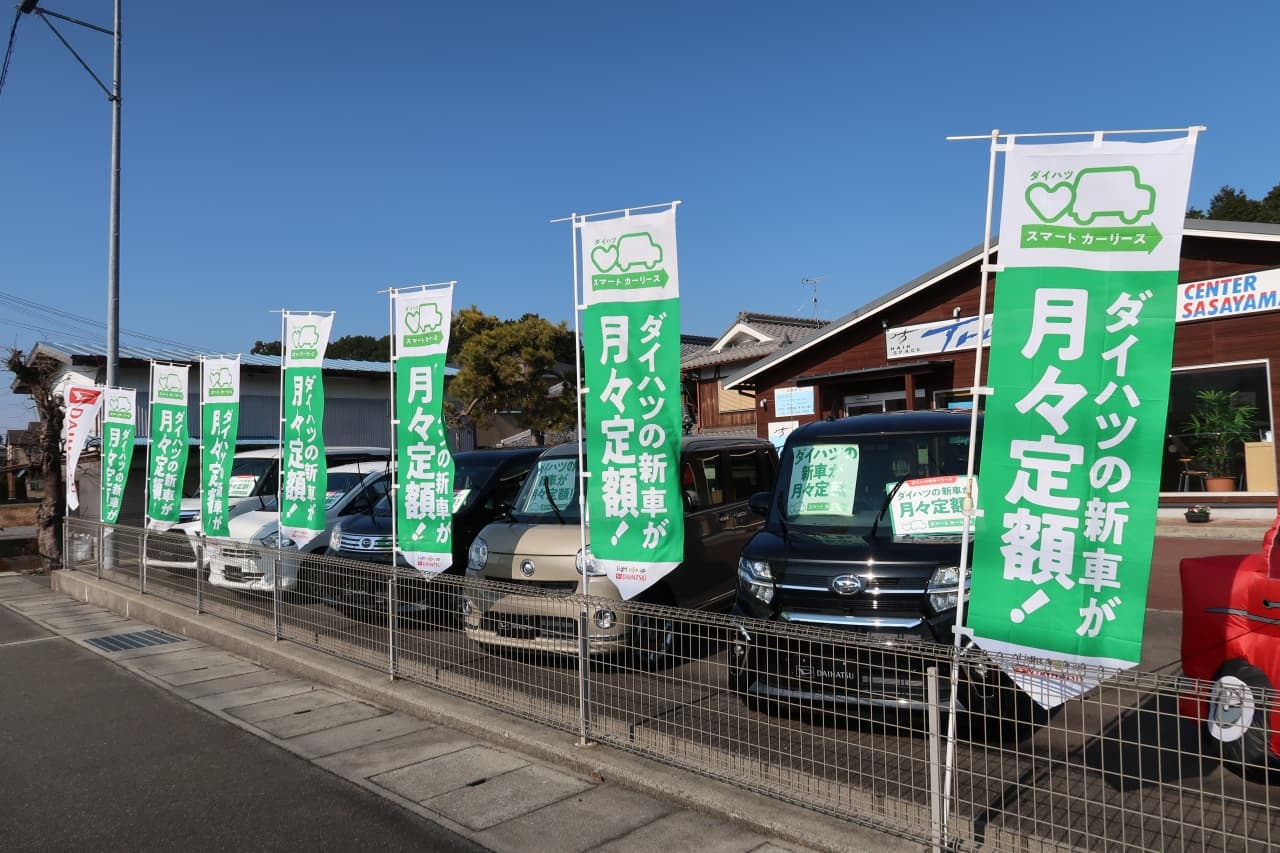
655 641
1239 704
308 587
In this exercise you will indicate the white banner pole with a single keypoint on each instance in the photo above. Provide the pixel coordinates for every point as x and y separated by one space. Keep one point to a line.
584 621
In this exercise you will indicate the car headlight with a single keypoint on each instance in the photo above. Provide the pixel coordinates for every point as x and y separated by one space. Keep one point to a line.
585 559
944 587
335 538
756 576
274 540
477 556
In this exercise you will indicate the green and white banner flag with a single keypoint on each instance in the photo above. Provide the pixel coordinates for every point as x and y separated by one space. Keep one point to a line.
1074 433
304 478
118 429
219 421
631 349
83 402
170 444
424 466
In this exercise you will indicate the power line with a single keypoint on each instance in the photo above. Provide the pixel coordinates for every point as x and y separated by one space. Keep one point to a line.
32 306
8 53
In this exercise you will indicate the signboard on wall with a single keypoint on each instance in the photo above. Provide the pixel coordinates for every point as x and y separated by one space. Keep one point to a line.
1248 293
959 333
779 430
790 402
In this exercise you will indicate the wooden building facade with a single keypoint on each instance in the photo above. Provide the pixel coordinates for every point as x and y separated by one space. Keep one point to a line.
915 347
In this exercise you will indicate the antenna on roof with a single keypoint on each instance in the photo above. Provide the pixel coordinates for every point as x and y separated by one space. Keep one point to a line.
813 282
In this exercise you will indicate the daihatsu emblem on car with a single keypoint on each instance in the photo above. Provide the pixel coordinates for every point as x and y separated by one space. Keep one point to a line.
526 568
847 585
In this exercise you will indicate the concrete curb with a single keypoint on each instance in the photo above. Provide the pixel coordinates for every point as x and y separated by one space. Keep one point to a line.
783 820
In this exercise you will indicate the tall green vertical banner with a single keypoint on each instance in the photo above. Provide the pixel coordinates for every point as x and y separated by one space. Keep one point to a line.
219 422
424 466
118 429
1091 236
304 477
170 444
631 352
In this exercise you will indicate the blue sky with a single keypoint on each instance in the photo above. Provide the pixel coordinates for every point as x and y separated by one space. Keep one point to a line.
306 155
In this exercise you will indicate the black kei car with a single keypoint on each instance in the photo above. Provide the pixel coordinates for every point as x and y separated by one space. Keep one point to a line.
485 482
863 533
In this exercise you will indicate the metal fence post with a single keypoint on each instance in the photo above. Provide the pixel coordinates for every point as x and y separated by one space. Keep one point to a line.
391 621
142 563
275 597
200 574
584 670
935 760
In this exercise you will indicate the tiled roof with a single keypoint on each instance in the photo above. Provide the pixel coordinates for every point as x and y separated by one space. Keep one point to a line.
781 331
778 325
693 344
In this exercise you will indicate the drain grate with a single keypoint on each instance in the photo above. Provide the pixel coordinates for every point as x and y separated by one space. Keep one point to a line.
136 640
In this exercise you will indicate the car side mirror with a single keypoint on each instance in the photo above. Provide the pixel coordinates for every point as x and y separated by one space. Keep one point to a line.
759 503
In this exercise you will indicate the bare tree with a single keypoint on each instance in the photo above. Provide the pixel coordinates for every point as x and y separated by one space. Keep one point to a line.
39 379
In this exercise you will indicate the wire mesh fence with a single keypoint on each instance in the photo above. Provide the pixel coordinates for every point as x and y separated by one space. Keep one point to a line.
847 724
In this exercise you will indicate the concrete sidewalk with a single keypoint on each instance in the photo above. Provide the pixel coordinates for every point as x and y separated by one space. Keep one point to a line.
502 782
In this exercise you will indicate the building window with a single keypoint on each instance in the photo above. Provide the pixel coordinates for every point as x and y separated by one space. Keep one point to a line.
732 400
1251 382
953 398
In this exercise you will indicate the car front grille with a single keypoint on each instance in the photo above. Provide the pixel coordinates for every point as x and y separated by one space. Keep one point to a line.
366 544
526 627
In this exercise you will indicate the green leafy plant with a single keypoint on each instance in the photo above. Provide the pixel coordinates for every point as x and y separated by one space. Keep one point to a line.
1219 426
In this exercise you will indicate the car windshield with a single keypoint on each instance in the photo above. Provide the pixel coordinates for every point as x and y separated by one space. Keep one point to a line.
339 485
550 493
841 485
470 475
246 473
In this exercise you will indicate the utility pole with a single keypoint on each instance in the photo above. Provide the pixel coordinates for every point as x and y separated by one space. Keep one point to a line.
113 95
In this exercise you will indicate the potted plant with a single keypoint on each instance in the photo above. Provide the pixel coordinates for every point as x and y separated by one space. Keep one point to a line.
1197 514
1219 426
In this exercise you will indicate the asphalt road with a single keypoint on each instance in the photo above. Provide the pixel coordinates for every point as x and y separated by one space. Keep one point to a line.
92 758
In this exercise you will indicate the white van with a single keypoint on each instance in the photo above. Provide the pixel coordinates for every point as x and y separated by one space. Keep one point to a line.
245 560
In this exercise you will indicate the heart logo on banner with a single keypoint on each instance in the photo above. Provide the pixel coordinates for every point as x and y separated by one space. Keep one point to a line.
604 257
411 320
1050 204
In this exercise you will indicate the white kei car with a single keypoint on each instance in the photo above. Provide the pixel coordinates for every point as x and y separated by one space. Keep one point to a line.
246 559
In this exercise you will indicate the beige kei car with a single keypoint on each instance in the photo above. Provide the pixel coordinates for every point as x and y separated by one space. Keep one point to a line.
536 558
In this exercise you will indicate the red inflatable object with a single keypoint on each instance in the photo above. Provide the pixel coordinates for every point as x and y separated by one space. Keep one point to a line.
1231 636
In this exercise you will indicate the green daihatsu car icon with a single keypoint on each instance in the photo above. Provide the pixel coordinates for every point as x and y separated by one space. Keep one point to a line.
1114 191
638 250
1104 191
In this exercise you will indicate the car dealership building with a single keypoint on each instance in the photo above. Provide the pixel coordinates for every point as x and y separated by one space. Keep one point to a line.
914 348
